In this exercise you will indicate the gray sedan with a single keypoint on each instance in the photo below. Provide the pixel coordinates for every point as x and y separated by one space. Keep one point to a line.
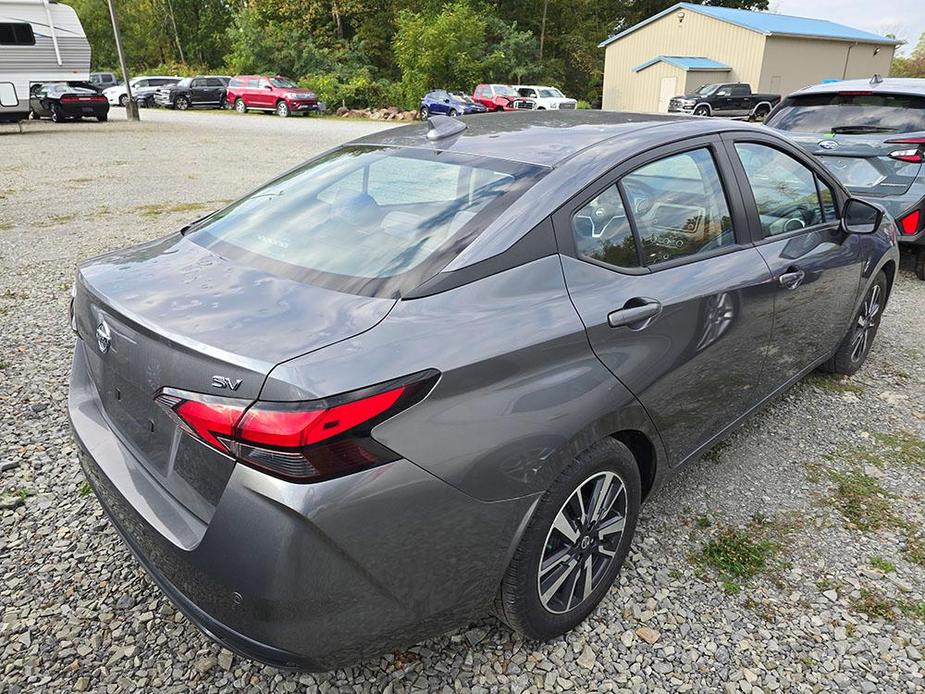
437 371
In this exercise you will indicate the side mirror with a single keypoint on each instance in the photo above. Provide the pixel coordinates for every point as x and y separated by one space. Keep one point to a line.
268 86
859 217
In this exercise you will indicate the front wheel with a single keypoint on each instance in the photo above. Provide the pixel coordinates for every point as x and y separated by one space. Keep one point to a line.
761 113
702 111
123 100
181 103
425 113
575 544
282 109
240 106
854 348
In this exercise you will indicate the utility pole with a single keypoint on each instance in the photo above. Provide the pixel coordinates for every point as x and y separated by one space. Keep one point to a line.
131 108
543 28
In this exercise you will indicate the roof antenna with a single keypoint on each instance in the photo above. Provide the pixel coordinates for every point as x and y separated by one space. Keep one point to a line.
876 79
441 127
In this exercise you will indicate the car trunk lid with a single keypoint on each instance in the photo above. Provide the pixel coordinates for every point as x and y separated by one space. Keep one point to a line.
863 162
172 314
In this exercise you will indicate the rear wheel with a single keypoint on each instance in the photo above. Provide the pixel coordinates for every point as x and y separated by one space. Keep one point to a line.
575 544
123 100
56 115
702 111
282 109
920 263
854 349
239 105
103 118
181 103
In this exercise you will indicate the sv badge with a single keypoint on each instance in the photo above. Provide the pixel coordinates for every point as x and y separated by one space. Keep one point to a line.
226 383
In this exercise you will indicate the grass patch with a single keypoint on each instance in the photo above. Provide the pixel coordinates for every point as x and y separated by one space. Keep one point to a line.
902 447
916 610
883 565
737 555
714 453
158 210
10 295
914 550
873 604
6 226
834 384
4 364
85 488
861 499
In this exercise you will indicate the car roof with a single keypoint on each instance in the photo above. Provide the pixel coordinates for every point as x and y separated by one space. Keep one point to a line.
543 139
886 85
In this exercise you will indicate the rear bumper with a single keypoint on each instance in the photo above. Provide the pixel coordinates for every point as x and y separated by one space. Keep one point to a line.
304 576
77 111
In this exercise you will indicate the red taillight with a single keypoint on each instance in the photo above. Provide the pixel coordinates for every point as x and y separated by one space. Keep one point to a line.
913 155
301 442
910 223
81 99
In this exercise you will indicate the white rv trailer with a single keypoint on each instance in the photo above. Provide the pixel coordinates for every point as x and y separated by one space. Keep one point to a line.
40 41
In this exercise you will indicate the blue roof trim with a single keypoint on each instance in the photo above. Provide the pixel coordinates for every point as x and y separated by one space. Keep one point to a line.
768 24
684 62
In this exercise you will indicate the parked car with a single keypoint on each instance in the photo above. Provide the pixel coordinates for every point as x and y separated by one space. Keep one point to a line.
202 91
500 97
871 134
440 101
545 97
277 94
104 80
330 472
62 101
730 99
144 89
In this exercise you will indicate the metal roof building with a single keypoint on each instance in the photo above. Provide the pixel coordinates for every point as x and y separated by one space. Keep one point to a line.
686 45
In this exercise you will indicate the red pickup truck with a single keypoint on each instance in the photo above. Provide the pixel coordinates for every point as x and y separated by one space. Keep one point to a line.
500 97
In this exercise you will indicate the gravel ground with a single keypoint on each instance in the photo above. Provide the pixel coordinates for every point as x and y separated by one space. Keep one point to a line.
826 510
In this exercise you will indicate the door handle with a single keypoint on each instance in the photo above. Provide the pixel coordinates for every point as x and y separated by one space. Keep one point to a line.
792 279
636 314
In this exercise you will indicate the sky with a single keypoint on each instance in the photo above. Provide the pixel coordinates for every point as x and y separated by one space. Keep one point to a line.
904 18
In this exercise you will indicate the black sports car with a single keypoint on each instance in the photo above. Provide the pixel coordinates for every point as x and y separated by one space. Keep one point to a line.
66 100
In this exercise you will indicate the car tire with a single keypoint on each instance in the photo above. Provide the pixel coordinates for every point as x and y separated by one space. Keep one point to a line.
454 113
282 109
854 348
123 100
56 116
519 602
702 111
425 113
102 119
499 109
240 106
920 263
181 103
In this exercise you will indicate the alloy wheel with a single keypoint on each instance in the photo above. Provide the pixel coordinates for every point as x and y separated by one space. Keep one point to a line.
425 113
582 542
866 323
182 104
123 100
282 110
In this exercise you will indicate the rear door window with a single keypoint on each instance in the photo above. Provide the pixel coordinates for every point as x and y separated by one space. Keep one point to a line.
665 210
785 190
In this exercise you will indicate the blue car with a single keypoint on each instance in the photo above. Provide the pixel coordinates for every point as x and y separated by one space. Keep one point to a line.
448 104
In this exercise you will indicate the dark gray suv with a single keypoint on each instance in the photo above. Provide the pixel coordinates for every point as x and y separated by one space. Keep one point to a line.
440 368
871 135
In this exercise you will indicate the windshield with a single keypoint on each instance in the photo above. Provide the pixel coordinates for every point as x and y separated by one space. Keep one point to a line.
464 98
504 90
185 82
552 92
283 82
850 113
361 214
706 89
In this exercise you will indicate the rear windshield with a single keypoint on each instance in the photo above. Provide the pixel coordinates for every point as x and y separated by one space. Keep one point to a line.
367 220
850 112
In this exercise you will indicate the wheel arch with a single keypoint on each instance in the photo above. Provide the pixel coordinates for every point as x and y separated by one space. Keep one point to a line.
644 452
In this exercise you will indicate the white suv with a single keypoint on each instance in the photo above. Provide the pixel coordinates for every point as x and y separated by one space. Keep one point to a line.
545 97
